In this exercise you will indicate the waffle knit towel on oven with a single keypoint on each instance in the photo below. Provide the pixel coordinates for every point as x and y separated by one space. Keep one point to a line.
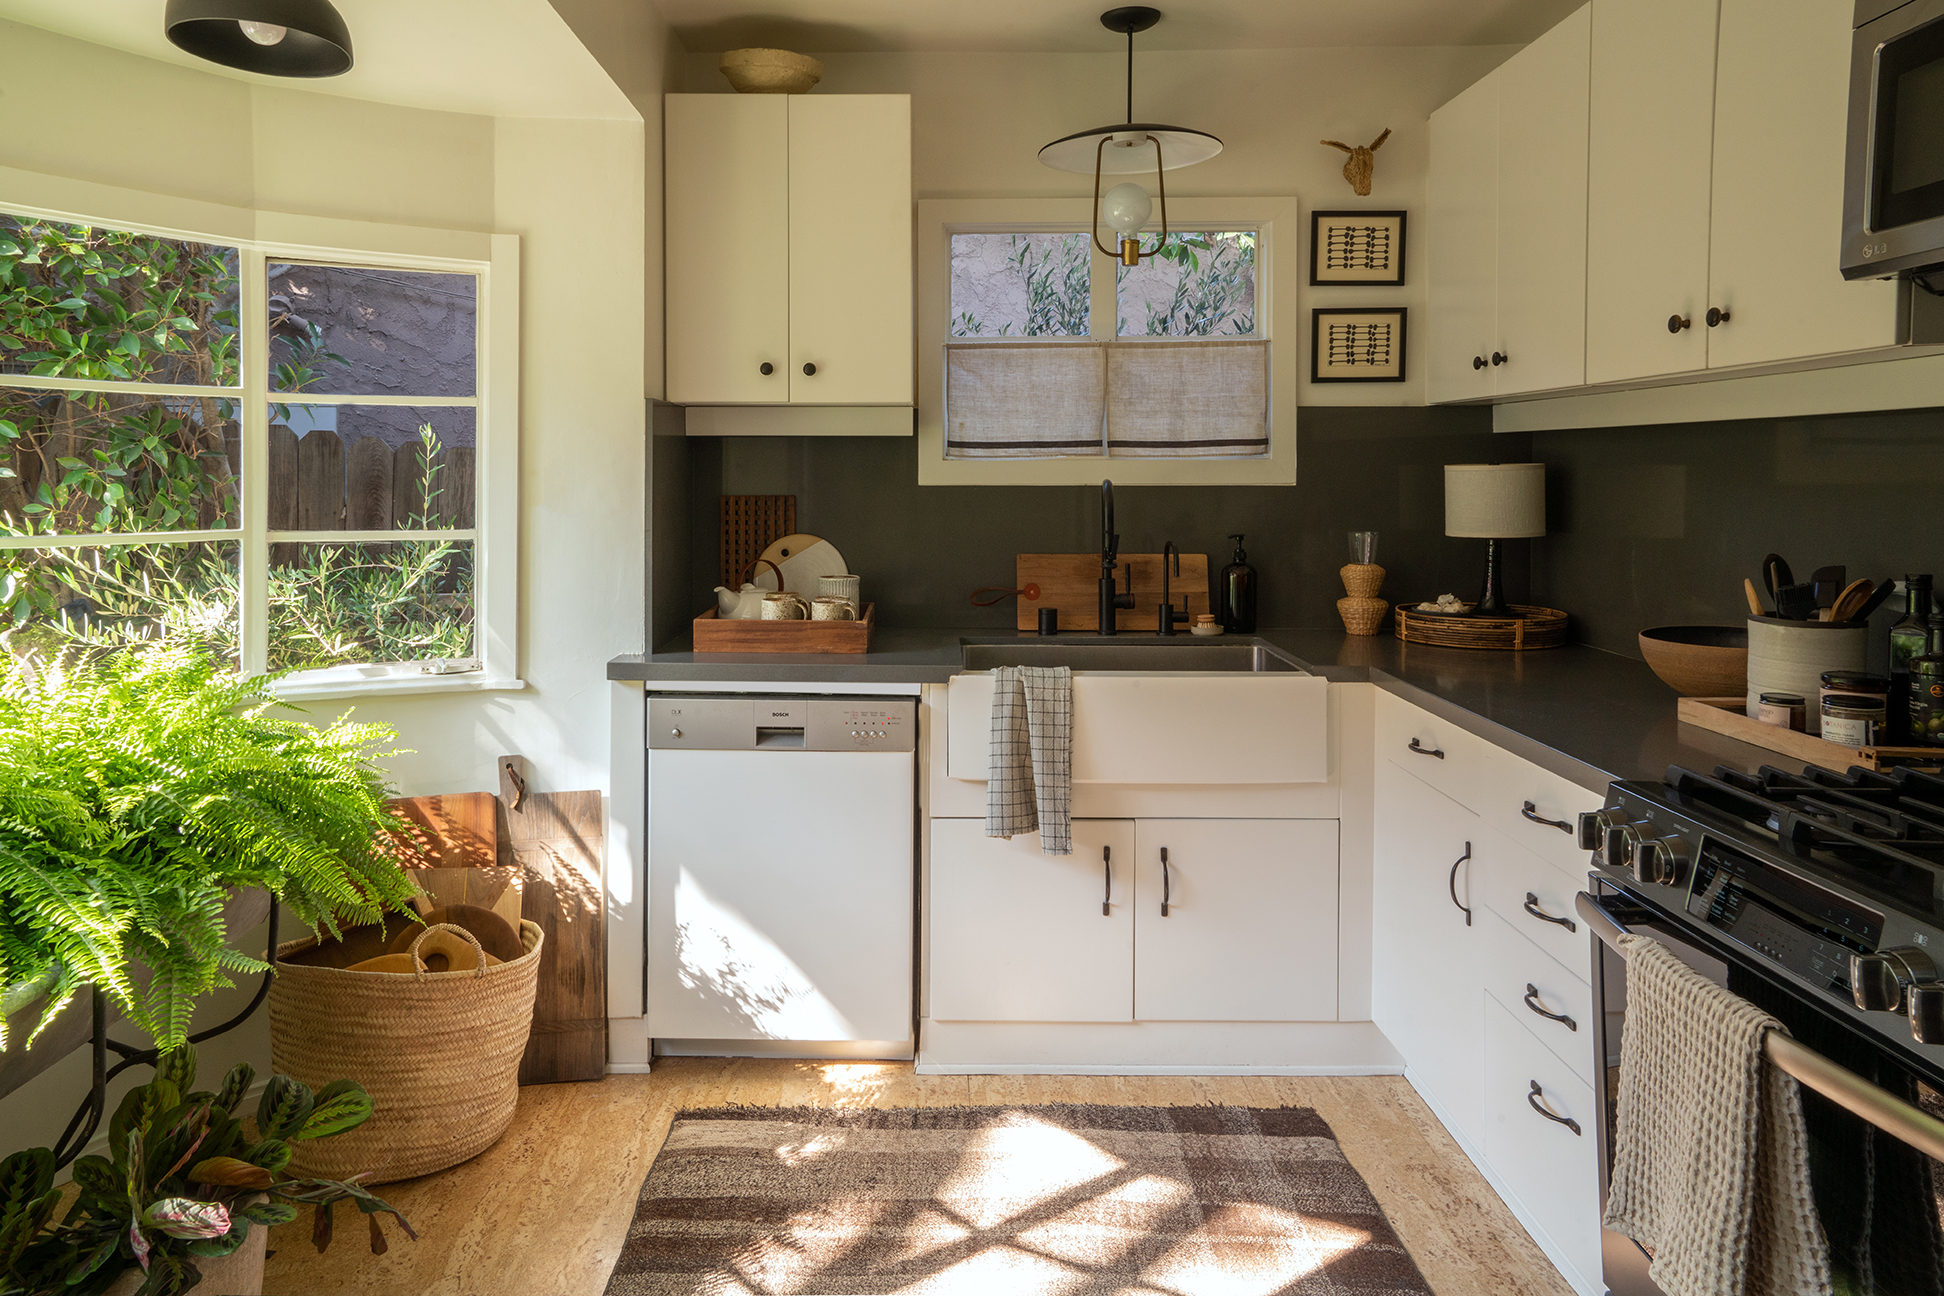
1711 1161
1029 783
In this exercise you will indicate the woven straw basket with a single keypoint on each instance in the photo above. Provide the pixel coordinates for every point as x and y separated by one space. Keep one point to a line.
1362 616
439 1051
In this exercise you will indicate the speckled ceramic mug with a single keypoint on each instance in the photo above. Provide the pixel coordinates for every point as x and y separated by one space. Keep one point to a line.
832 609
843 587
781 605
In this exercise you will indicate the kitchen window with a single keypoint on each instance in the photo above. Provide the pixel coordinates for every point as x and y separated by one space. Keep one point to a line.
1044 361
289 451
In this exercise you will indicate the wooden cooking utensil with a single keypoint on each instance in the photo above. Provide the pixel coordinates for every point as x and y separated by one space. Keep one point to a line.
1851 600
1754 599
1884 589
493 931
1776 573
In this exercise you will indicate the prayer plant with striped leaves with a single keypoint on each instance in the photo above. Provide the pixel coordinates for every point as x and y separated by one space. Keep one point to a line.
138 789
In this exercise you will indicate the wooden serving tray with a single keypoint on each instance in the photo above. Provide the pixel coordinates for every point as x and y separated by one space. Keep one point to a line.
713 634
1071 583
1538 628
1728 715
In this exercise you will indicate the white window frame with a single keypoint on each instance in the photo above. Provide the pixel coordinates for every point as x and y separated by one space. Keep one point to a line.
1277 223
260 239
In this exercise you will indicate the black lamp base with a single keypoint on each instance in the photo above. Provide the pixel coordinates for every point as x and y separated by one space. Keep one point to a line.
1491 599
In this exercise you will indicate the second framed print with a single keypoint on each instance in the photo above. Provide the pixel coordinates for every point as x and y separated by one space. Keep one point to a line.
1357 247
1349 345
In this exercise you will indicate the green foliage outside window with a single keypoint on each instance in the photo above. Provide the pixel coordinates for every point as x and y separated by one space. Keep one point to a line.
1214 286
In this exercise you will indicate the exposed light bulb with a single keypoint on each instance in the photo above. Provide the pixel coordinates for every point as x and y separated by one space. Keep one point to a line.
263 33
1125 209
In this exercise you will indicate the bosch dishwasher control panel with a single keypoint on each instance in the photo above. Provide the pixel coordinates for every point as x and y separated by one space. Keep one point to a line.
719 723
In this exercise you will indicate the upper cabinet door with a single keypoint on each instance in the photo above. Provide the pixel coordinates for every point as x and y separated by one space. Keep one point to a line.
1542 107
1649 163
850 250
1781 105
1463 246
728 248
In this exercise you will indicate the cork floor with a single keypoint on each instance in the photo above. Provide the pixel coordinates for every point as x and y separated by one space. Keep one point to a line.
543 1212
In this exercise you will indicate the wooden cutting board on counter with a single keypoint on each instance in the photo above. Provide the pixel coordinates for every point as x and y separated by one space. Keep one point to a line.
1071 583
554 839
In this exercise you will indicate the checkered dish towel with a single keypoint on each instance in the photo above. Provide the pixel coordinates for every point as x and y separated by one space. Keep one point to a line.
1711 1159
1029 781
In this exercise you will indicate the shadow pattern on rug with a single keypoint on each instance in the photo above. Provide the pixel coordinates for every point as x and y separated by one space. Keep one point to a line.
1073 1199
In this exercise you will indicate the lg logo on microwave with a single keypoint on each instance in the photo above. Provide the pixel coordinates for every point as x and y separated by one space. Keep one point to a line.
1875 250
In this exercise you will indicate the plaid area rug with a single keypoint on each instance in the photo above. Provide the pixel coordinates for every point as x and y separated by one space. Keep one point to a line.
1154 1201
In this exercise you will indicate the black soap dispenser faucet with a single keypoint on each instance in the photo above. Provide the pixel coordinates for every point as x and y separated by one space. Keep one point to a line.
1239 593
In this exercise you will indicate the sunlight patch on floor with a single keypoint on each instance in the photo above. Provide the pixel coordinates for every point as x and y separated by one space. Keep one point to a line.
1016 1163
1248 1249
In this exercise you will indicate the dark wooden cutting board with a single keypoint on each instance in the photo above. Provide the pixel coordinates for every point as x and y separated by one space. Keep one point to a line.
554 839
1071 583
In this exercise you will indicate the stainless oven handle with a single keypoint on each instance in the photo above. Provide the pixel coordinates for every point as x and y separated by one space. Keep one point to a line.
1851 1092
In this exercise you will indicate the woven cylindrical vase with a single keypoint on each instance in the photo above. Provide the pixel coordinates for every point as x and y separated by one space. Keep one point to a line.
1362 580
1362 616
438 1051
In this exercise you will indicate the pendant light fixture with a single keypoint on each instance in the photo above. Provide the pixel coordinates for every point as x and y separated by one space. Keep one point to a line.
1127 149
288 38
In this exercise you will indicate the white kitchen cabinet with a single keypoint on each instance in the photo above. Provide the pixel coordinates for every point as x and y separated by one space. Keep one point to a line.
1780 138
789 245
1249 930
1014 935
1463 246
1542 158
1426 973
1649 161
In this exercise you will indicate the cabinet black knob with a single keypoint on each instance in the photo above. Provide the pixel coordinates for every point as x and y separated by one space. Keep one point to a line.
809 370
1675 323
766 368
1478 362
1716 317
1499 358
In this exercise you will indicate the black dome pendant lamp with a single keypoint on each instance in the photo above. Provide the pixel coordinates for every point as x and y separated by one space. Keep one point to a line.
288 38
1130 148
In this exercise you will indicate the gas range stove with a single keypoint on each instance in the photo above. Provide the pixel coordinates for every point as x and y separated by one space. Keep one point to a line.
1834 880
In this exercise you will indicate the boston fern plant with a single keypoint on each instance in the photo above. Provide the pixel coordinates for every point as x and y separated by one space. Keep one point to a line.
138 788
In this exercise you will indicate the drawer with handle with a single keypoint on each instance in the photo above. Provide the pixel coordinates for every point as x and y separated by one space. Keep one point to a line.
1541 1128
1552 1003
1537 809
1535 899
1435 750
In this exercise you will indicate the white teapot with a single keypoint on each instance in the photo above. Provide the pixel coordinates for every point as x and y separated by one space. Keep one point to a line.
745 604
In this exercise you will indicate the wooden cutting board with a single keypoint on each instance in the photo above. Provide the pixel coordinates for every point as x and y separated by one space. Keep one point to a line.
456 831
498 889
554 840
1071 583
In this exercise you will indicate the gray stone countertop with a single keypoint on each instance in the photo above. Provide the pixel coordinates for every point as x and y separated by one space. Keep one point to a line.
1586 715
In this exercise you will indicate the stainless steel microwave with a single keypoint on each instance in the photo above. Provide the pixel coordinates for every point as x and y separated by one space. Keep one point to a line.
1893 192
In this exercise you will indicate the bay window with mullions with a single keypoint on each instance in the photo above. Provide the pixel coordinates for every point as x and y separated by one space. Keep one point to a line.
275 450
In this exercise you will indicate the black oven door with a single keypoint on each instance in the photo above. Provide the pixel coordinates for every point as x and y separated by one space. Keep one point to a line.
1877 1198
1894 204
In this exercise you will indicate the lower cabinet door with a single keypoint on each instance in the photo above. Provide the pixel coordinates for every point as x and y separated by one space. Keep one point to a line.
1236 920
1427 978
1014 935
1549 1166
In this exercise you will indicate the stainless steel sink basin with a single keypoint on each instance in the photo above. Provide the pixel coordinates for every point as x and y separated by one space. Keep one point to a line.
1190 654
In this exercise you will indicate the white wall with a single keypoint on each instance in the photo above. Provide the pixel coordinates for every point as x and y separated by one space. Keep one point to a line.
978 121
580 194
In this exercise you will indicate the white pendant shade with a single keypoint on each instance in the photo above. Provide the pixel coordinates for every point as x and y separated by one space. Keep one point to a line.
1131 154
1495 501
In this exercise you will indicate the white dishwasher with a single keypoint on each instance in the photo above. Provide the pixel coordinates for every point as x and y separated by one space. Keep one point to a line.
781 870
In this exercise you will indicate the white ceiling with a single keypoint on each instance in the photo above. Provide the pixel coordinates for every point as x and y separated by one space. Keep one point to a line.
836 26
513 58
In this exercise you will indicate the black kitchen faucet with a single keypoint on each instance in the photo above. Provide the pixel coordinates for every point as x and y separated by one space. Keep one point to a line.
1111 600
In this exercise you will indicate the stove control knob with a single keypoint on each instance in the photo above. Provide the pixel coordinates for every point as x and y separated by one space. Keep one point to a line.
1879 982
1592 828
1927 1014
1619 842
1659 859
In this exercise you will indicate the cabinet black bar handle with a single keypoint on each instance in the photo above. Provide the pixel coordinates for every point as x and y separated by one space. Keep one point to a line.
1454 883
1426 751
1532 1002
1166 882
1531 812
1532 1100
1107 869
1676 323
1531 906
1478 362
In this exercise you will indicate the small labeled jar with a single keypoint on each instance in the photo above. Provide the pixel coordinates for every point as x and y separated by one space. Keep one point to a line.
1856 683
1783 710
1927 702
1851 719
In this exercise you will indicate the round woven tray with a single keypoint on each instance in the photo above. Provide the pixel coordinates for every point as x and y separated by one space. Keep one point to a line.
1536 627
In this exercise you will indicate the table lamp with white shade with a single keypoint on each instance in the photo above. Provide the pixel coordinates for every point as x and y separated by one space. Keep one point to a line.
1494 502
